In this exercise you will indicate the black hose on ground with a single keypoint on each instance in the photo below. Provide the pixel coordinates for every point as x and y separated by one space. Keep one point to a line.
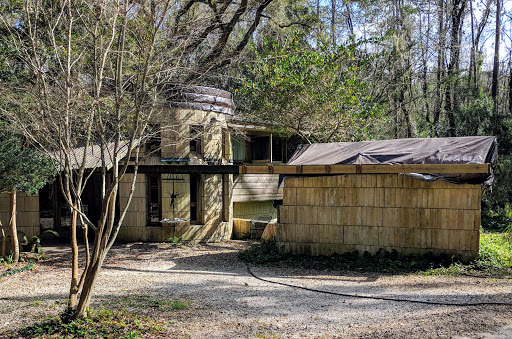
379 298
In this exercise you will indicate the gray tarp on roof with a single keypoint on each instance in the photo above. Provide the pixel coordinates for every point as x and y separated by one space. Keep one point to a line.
457 150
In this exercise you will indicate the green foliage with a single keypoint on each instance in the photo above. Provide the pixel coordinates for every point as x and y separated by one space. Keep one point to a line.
496 209
475 118
267 253
495 259
174 240
495 252
264 252
21 168
9 261
104 323
318 94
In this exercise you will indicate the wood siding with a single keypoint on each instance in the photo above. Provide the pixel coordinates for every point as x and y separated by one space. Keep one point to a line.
257 187
365 212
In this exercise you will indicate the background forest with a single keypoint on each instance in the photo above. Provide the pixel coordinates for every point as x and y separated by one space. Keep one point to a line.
317 70
358 70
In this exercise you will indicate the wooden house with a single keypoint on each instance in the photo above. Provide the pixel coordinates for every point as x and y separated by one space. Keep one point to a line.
191 177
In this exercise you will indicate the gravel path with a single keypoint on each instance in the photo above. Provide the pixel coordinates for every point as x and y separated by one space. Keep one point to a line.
227 302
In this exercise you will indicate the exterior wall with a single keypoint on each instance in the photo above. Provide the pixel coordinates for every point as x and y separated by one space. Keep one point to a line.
134 223
176 127
251 210
241 228
257 187
27 213
214 196
336 214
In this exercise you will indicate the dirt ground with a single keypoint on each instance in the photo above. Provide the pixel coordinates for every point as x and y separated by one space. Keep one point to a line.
226 301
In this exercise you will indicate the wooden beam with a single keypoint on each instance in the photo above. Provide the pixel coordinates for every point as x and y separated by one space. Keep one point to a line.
290 169
365 169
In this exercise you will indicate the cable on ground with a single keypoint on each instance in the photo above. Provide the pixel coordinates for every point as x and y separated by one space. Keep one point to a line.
380 298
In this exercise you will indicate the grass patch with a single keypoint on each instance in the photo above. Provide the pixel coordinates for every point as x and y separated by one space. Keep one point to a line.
495 259
103 323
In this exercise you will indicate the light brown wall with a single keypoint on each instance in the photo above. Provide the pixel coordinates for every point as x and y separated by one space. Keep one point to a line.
257 187
337 214
251 210
27 216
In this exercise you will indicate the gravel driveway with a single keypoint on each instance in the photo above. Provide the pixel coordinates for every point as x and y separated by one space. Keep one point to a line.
228 302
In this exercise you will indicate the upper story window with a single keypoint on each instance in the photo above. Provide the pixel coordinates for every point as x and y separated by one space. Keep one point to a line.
195 138
259 148
154 142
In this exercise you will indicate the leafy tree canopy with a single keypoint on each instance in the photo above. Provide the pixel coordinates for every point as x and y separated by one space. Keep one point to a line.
319 94
21 168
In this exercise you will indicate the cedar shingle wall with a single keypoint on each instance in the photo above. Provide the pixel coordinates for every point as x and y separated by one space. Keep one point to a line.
366 212
27 213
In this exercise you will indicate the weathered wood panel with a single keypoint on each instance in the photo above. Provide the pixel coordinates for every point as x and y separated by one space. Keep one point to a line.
257 187
366 212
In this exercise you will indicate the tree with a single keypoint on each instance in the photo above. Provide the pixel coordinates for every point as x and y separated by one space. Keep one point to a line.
99 73
318 95
22 169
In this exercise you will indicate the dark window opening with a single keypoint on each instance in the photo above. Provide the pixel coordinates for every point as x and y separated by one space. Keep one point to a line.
225 197
278 149
154 200
153 144
260 148
47 201
195 139
195 197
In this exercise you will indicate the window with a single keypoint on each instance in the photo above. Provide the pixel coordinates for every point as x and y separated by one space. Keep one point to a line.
195 139
225 197
239 149
154 200
154 141
278 149
260 148
195 198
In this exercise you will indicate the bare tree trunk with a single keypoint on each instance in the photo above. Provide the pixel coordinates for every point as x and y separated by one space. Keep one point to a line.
333 22
472 58
319 28
452 95
15 245
349 17
424 52
73 289
510 83
440 65
496 66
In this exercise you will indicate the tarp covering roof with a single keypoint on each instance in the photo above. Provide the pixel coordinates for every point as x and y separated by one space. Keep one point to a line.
456 150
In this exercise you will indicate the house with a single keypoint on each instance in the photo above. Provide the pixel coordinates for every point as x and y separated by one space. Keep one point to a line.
188 176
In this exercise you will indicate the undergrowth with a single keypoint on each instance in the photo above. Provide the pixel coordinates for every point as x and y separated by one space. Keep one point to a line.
267 253
104 323
495 259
